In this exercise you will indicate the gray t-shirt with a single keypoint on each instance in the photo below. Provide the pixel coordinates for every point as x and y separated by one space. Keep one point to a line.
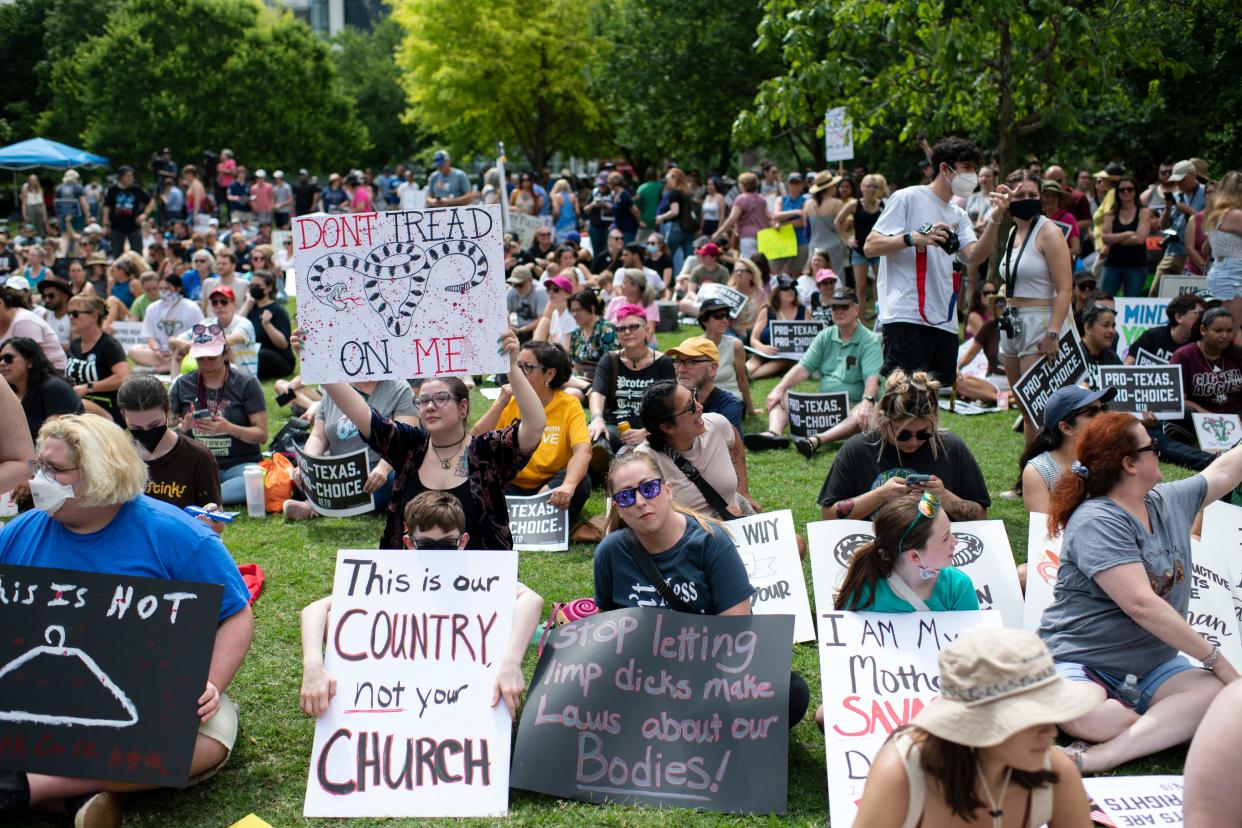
529 307
390 398
453 185
1085 626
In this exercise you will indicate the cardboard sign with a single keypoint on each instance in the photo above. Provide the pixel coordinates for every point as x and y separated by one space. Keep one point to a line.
536 524
735 299
1171 286
128 334
524 226
1135 316
1155 389
838 135
334 485
982 553
100 675
877 671
810 414
769 549
1146 357
1043 557
791 337
1137 800
652 707
1217 432
402 294
414 641
1222 529
778 242
1043 378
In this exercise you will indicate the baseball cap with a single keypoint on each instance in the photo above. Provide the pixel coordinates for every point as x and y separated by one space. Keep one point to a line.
1084 276
824 274
794 176
334 177
225 291
1182 169
1071 398
558 282
206 341
92 228
17 283
260 173
440 157
278 174
708 249
303 171
1209 300
696 346
711 306
521 275
843 296
786 282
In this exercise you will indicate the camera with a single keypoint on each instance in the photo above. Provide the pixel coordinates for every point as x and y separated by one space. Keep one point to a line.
950 245
1010 324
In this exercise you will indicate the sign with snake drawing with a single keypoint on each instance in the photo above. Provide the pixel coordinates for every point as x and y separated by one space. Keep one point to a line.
398 295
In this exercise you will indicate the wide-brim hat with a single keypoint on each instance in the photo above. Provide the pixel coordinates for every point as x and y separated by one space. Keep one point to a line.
997 682
823 181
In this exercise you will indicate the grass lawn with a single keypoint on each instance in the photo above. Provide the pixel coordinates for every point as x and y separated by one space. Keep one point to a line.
268 770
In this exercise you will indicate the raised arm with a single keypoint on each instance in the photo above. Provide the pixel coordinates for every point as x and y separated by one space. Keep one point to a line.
16 449
1224 474
534 418
352 405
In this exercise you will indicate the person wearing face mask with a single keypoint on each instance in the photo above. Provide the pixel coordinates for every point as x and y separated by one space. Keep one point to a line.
180 470
170 316
918 284
271 325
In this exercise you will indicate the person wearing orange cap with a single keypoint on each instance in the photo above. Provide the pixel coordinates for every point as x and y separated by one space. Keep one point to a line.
697 360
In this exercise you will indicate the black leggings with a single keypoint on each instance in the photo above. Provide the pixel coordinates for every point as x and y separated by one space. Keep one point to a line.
579 498
274 364
799 698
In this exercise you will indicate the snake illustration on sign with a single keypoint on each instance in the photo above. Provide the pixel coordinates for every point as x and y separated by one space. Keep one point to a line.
968 549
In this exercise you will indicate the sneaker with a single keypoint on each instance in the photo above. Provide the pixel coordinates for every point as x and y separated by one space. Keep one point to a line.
806 446
101 810
297 510
764 440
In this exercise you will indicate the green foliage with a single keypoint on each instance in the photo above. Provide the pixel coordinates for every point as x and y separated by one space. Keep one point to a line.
511 70
197 74
21 50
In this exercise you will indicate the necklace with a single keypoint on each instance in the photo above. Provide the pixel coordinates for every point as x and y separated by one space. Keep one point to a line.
636 361
996 813
444 464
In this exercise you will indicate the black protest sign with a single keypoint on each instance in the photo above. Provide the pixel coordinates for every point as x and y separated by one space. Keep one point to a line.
537 525
1154 389
334 485
651 707
1146 357
735 299
100 675
812 413
1042 379
792 337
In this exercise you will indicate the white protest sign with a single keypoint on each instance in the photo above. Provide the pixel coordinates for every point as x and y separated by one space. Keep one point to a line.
735 299
1222 529
1217 432
877 671
1137 800
415 638
334 486
536 524
524 226
769 549
1146 357
1171 286
1135 316
1043 556
128 334
398 295
982 553
838 135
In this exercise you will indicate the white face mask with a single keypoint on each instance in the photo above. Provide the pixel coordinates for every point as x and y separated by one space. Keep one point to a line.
925 572
168 295
48 494
963 184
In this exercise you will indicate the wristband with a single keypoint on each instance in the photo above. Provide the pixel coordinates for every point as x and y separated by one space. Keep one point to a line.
908 238
869 398
1209 662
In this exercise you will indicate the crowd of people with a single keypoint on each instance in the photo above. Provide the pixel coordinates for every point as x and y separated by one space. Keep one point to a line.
120 438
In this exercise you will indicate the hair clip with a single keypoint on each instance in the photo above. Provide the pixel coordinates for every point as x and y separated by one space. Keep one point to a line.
1079 469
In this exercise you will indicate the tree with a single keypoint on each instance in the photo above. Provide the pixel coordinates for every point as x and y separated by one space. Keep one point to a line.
21 50
512 70
678 74
195 74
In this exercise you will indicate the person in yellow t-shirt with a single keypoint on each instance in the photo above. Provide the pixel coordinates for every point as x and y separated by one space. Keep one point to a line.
561 462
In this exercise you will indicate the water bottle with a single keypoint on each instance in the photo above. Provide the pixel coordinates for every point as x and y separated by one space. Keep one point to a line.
253 476
1129 691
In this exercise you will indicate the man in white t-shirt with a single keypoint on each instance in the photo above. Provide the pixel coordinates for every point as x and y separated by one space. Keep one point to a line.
918 286
409 195
173 314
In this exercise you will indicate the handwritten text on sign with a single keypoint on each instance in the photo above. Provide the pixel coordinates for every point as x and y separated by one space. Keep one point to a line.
412 293
100 675
537 524
769 549
877 671
809 414
651 707
792 337
414 640
334 485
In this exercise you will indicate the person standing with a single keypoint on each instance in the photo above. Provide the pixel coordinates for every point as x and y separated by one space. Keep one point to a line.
262 198
448 186
1125 231
305 194
791 212
1185 198
126 206
1223 223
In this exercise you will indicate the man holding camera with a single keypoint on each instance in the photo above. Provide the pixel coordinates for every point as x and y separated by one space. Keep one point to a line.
1185 196
921 236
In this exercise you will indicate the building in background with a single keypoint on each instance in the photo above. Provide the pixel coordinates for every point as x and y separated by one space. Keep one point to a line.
327 17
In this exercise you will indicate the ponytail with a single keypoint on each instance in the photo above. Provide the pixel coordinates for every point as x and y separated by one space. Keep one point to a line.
870 565
875 561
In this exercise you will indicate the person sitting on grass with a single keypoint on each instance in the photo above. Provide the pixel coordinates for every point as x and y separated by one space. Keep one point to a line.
674 557
1161 341
980 376
592 340
1055 447
697 362
848 357
243 347
96 364
730 373
904 453
41 388
561 461
169 317
433 520
1206 802
783 304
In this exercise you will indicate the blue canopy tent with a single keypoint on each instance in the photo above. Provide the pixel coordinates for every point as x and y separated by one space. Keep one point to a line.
40 152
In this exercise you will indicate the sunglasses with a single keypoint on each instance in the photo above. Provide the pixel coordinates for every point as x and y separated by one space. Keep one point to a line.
204 333
649 489
449 542
7 359
74 314
1125 189
221 302
625 329
1088 286
1088 411
721 314
989 293
438 399
928 507
1152 447
922 434
691 407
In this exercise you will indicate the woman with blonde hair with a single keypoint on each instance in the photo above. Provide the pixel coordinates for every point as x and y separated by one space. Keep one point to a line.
34 209
1223 223
677 222
564 210
854 222
748 216
745 279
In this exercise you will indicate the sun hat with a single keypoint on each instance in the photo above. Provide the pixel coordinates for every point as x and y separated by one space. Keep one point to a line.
695 346
97 258
823 181
1071 398
997 682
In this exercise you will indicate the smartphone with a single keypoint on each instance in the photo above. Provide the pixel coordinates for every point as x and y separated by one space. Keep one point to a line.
917 479
201 414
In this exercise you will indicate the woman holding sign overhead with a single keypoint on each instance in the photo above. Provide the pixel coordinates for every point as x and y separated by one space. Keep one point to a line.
441 455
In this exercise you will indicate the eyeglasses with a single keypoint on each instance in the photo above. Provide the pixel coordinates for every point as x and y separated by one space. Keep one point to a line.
45 468
625 329
527 367
928 507
1152 447
204 333
649 489
922 434
438 399
447 542
7 359
682 362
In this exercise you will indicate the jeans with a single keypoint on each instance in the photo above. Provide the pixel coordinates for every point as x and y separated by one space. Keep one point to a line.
681 243
117 239
233 485
598 236
1177 452
1132 277
576 501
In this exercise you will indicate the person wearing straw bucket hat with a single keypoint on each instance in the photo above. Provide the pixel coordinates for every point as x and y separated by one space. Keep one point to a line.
982 753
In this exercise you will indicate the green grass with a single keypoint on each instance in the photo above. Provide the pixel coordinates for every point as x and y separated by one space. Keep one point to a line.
268 770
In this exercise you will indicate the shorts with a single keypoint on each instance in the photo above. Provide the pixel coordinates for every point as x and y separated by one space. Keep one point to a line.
857 259
914 347
221 727
1112 684
1034 328
1224 279
263 217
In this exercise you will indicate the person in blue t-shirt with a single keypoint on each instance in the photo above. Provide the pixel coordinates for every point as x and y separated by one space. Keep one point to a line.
694 557
91 514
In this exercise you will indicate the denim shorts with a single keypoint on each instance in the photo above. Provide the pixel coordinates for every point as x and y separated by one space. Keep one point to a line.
1112 684
1224 279
857 259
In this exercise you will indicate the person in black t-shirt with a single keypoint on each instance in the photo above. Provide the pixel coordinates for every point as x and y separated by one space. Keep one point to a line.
621 377
1099 337
271 327
96 364
304 193
126 206
1183 312
37 384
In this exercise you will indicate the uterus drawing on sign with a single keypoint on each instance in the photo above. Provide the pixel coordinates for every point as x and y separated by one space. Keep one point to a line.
394 278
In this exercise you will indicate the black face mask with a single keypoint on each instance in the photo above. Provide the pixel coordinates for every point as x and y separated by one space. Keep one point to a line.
257 292
437 543
1026 208
149 438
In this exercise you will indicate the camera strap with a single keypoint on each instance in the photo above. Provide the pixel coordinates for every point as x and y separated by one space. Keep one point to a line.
1011 267
920 274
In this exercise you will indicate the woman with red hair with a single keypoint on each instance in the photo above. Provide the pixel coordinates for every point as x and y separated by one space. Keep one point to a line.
1118 615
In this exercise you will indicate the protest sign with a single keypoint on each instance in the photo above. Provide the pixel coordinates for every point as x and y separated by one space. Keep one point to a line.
1135 316
1222 529
812 413
877 671
398 295
735 299
536 524
1137 800
967 408
128 334
1217 432
1146 357
1154 389
769 549
778 242
1171 286
415 640
1043 556
838 135
100 675
1042 379
524 226
982 553
653 707
334 485
791 337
